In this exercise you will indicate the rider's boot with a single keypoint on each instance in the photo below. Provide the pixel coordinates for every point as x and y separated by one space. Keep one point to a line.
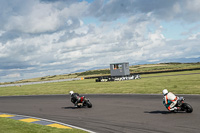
176 109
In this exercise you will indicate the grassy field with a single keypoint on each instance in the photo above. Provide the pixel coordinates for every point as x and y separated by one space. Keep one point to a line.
14 126
181 82
133 69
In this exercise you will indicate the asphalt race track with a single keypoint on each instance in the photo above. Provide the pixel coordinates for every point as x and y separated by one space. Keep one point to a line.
110 113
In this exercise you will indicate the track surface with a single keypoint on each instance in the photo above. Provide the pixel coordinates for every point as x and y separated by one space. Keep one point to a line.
110 113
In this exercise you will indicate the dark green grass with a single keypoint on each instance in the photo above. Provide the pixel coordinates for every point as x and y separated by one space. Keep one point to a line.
13 126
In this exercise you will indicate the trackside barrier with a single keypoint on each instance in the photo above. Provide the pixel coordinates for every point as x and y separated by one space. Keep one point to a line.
117 78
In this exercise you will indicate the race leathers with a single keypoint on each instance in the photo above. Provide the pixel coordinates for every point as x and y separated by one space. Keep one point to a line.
170 100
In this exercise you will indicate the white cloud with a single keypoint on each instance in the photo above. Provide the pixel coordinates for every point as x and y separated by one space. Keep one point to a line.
40 17
14 75
194 36
46 38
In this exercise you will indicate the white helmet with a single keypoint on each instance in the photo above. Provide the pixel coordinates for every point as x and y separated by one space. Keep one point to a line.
71 92
165 91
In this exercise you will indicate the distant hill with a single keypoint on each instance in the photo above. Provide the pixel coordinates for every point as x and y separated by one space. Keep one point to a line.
160 67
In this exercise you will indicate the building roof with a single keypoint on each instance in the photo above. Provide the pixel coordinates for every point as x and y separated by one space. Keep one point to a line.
119 63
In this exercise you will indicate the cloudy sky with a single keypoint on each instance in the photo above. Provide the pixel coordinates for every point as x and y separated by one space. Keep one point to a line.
50 37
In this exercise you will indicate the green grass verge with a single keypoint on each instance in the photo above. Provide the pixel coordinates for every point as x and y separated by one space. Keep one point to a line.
13 126
181 84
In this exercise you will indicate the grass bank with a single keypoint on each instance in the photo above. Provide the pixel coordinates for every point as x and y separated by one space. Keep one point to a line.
187 82
14 126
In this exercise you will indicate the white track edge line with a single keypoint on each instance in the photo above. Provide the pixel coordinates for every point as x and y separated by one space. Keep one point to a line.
53 122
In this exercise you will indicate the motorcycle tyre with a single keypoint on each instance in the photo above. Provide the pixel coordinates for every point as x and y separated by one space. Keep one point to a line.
188 108
89 105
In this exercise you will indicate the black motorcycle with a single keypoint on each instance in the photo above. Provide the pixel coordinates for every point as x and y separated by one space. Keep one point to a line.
84 102
184 106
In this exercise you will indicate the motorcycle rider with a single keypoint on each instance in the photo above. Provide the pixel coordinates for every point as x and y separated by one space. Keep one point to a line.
170 100
75 98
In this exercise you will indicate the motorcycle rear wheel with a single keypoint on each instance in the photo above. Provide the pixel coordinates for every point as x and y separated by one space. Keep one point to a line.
188 108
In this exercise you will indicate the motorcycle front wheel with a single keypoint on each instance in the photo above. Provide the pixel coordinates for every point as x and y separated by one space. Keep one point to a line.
89 104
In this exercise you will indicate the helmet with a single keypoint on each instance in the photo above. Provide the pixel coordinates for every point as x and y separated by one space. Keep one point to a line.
165 91
71 92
